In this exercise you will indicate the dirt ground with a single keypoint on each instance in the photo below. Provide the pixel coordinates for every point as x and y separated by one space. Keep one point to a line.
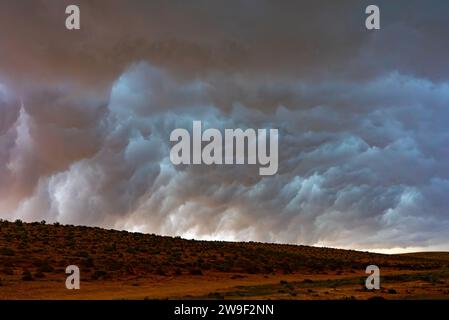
225 286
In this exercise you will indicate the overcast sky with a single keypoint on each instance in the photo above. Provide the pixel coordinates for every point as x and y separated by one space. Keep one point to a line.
85 118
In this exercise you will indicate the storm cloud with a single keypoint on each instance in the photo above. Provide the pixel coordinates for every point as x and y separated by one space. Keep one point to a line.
85 119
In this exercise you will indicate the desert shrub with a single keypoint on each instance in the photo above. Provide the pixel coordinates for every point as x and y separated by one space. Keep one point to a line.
111 248
216 295
196 272
45 267
160 271
83 254
131 250
99 274
392 291
8 271
307 281
199 261
224 267
8 237
69 236
130 269
18 223
114 265
268 269
7 252
26 276
39 274
88 262
205 266
252 269
287 270
70 244
23 245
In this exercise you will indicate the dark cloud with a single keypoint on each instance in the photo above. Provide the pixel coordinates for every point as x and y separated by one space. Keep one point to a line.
86 118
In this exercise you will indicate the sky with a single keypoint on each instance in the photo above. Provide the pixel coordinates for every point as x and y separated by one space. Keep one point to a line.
86 115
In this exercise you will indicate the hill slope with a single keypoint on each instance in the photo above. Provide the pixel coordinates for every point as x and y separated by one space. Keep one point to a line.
34 254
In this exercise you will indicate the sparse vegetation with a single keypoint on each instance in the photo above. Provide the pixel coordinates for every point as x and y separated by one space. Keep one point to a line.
7 252
26 276
196 272
41 251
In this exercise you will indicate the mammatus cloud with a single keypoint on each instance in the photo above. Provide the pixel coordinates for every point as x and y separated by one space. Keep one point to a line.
86 119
